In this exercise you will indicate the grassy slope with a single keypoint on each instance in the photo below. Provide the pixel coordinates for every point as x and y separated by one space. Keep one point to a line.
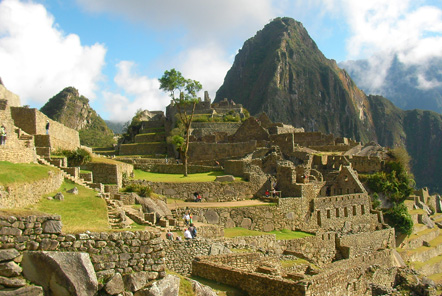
280 234
79 212
22 172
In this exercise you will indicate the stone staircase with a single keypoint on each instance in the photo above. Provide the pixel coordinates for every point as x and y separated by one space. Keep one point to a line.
116 216
66 175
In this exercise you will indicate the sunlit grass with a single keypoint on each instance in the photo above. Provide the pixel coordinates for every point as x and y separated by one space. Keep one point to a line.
22 172
178 178
79 212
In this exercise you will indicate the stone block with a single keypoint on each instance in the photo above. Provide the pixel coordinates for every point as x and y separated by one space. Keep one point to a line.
8 254
225 178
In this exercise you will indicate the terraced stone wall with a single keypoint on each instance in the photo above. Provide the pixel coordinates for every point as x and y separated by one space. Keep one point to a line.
109 173
201 151
124 252
366 164
355 245
210 191
19 195
33 122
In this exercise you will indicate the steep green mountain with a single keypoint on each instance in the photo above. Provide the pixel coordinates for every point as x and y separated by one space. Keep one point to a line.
73 110
407 86
282 72
116 126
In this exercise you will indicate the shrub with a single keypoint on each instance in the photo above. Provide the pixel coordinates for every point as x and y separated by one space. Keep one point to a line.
399 218
143 191
77 157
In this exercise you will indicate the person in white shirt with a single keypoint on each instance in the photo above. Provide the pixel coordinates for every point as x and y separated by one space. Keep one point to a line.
187 234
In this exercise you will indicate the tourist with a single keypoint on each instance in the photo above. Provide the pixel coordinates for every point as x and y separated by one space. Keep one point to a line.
169 235
267 194
2 135
274 194
47 127
199 198
186 218
179 239
192 230
187 234
195 196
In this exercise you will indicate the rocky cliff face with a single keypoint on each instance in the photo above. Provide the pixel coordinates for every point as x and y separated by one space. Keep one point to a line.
71 109
282 72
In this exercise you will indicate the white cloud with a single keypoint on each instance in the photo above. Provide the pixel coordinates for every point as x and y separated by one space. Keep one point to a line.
139 92
37 60
199 20
207 64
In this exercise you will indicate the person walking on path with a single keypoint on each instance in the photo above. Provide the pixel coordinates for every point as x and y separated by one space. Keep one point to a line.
2 135
47 127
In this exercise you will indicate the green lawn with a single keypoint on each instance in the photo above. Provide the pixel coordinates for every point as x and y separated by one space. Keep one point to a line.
284 234
79 212
178 178
22 172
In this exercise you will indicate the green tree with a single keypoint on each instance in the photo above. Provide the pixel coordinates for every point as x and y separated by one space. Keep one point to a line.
172 82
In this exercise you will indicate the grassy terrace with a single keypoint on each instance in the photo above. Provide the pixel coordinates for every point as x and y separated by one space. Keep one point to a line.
179 178
22 172
79 212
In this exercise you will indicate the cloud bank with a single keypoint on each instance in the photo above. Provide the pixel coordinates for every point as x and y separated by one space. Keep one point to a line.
38 60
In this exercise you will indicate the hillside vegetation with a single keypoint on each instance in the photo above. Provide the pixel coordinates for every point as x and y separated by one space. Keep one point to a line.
73 110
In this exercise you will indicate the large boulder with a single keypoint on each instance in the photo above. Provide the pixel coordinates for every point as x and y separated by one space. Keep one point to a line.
115 285
169 285
61 273
156 206
202 290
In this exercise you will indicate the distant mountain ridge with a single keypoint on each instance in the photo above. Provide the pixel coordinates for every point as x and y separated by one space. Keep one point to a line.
73 110
407 86
281 71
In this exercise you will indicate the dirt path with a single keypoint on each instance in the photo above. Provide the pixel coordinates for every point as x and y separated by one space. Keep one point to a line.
242 203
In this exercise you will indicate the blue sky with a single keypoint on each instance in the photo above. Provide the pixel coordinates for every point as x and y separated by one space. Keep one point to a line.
114 51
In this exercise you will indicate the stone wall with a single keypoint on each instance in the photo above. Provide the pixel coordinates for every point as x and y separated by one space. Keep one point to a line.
319 249
24 155
366 164
200 151
110 252
355 245
345 213
19 195
143 149
210 191
13 99
109 173
33 122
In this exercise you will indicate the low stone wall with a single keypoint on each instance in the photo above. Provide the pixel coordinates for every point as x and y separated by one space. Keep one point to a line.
110 252
210 191
143 149
319 249
416 242
24 155
200 151
262 218
355 245
19 195
109 173
252 283
180 254
179 169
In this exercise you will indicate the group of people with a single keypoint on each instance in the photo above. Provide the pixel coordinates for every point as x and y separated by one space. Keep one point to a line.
2 135
189 232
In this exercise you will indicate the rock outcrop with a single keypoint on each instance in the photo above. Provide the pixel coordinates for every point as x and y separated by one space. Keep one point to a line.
61 273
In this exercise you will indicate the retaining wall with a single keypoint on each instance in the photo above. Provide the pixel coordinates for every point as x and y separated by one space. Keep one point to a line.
19 195
110 252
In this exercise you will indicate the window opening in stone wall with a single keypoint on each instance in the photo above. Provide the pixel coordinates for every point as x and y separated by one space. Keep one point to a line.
328 214
348 190
345 212
362 210
337 212
354 211
318 217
